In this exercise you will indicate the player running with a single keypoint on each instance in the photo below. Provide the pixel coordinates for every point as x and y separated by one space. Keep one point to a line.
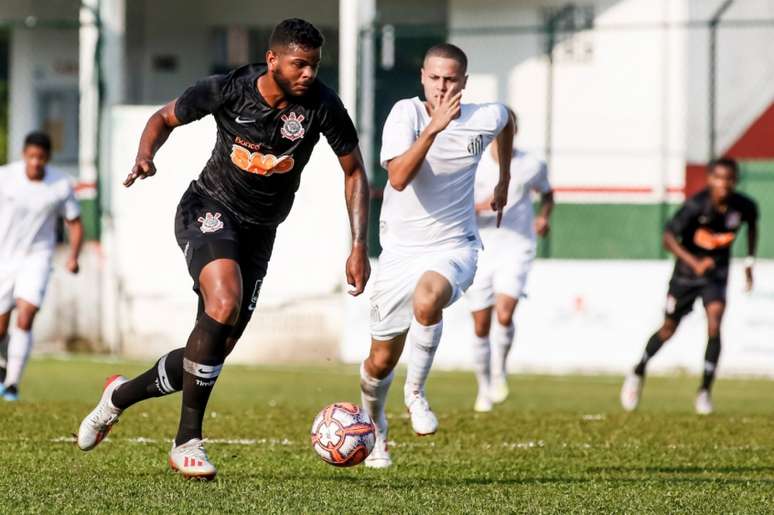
32 196
700 235
504 263
428 230
269 118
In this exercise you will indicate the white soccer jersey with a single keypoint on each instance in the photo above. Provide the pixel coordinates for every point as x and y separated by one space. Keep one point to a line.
28 211
436 209
528 174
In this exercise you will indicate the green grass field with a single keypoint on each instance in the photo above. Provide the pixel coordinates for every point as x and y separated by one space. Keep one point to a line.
558 445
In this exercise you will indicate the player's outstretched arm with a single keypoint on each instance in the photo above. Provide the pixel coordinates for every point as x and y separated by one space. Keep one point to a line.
699 266
504 151
157 130
75 234
356 192
402 169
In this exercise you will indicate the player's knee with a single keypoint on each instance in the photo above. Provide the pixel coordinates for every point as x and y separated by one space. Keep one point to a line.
428 306
223 307
24 320
667 329
504 317
381 362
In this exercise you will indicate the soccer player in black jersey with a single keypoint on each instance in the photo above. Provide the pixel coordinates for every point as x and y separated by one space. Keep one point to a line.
700 236
269 118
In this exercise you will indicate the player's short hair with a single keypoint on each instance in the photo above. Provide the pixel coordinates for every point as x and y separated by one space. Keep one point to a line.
38 139
726 162
295 31
448 51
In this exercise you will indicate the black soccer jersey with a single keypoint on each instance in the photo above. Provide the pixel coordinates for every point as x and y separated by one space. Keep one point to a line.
255 167
705 231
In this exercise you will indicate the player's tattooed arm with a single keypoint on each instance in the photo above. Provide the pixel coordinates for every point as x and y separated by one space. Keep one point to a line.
402 169
699 266
157 130
356 190
504 151
75 235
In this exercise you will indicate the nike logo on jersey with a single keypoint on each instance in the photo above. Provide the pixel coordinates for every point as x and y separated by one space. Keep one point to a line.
243 121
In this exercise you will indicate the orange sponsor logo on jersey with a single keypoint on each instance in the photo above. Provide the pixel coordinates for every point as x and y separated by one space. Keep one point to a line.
259 163
709 240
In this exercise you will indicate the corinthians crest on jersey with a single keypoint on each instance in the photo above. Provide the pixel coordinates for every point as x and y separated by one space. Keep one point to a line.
292 128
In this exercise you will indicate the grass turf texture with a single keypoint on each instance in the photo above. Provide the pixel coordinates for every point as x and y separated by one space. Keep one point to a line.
558 445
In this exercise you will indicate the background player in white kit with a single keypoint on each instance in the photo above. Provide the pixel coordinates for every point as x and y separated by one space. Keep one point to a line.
504 263
32 196
427 229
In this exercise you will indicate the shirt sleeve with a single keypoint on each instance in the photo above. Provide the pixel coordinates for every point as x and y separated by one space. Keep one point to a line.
337 126
682 219
751 213
500 116
541 180
70 209
399 132
201 99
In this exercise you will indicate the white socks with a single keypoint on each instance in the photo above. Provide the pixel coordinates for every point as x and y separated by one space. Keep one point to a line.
424 341
502 338
373 394
19 347
481 360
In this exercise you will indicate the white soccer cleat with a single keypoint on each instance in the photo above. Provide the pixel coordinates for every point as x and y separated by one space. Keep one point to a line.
483 403
631 392
498 390
190 459
423 420
380 455
98 423
703 403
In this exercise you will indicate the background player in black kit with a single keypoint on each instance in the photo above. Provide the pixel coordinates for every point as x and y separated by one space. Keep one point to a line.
269 118
700 235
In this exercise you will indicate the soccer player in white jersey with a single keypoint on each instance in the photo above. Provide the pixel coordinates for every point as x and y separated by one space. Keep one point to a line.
428 230
32 196
504 263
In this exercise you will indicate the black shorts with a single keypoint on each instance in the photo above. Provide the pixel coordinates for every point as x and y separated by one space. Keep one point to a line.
684 292
206 230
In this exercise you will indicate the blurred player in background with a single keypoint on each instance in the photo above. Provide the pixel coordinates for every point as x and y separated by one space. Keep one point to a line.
428 231
700 236
269 118
32 196
504 263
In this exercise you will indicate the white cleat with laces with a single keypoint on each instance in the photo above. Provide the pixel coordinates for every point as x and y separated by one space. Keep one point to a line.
190 459
380 455
423 420
98 423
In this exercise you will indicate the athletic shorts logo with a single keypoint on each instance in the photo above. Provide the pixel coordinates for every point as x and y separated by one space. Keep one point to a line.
254 298
292 128
259 163
671 304
210 223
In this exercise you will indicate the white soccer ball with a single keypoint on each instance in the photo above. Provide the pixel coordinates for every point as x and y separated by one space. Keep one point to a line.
343 434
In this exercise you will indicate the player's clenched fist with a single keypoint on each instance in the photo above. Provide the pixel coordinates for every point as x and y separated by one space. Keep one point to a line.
142 168
499 199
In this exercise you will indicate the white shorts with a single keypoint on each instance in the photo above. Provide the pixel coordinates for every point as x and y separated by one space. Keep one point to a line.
26 279
396 278
501 270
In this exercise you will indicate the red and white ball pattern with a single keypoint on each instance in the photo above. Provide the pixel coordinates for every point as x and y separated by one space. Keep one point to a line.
343 434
